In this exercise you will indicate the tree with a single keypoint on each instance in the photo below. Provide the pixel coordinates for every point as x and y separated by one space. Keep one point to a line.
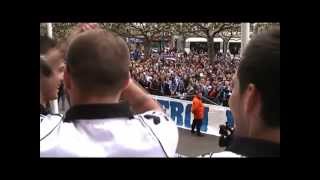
260 27
119 28
61 30
227 34
209 31
43 29
184 30
150 32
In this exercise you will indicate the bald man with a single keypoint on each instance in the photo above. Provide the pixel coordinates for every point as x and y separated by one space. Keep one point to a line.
97 123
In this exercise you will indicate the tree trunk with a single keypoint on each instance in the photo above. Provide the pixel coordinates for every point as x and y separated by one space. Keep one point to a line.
225 47
211 53
147 49
183 43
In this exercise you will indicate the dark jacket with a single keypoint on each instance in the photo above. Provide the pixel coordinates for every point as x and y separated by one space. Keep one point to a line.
249 147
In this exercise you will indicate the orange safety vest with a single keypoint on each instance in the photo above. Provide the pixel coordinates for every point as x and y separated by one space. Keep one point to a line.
197 108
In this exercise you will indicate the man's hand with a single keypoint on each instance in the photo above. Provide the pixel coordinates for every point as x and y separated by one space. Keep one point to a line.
80 28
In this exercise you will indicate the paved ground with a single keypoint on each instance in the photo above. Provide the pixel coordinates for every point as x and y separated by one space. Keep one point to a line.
193 145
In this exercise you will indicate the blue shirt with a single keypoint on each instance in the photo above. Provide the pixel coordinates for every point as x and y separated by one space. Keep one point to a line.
230 121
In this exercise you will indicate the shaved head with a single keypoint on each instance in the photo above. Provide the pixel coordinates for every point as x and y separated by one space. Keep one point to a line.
98 62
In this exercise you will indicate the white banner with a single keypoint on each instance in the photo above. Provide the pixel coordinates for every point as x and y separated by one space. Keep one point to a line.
180 112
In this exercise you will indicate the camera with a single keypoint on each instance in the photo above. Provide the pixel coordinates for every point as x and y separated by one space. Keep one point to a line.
226 135
223 131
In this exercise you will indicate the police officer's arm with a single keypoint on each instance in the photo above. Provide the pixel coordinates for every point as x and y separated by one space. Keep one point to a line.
194 106
139 99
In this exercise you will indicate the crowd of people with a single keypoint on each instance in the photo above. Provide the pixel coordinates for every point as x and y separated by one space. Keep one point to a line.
181 74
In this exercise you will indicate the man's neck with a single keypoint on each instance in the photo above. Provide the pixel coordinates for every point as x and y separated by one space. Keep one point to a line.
269 134
42 102
96 100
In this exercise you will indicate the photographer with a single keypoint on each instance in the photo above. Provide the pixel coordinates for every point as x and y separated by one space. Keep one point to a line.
255 99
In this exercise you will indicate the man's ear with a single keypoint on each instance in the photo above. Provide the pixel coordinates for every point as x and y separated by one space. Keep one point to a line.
127 82
66 79
252 106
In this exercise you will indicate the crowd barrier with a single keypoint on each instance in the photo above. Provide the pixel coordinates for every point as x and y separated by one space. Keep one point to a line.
180 112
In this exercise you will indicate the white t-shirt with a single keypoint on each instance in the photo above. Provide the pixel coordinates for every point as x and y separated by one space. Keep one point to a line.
48 124
223 154
151 134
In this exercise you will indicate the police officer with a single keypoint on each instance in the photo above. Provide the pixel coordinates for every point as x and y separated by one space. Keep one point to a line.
97 123
198 111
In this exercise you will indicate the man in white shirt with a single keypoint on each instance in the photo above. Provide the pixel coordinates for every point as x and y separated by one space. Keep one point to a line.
51 75
97 123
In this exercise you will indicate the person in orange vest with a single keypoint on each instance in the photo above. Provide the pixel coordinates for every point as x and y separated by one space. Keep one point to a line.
198 111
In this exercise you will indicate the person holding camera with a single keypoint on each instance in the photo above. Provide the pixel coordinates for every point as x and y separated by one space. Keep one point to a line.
255 99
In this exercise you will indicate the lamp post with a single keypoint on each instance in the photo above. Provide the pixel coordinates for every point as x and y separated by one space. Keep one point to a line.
245 28
161 42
